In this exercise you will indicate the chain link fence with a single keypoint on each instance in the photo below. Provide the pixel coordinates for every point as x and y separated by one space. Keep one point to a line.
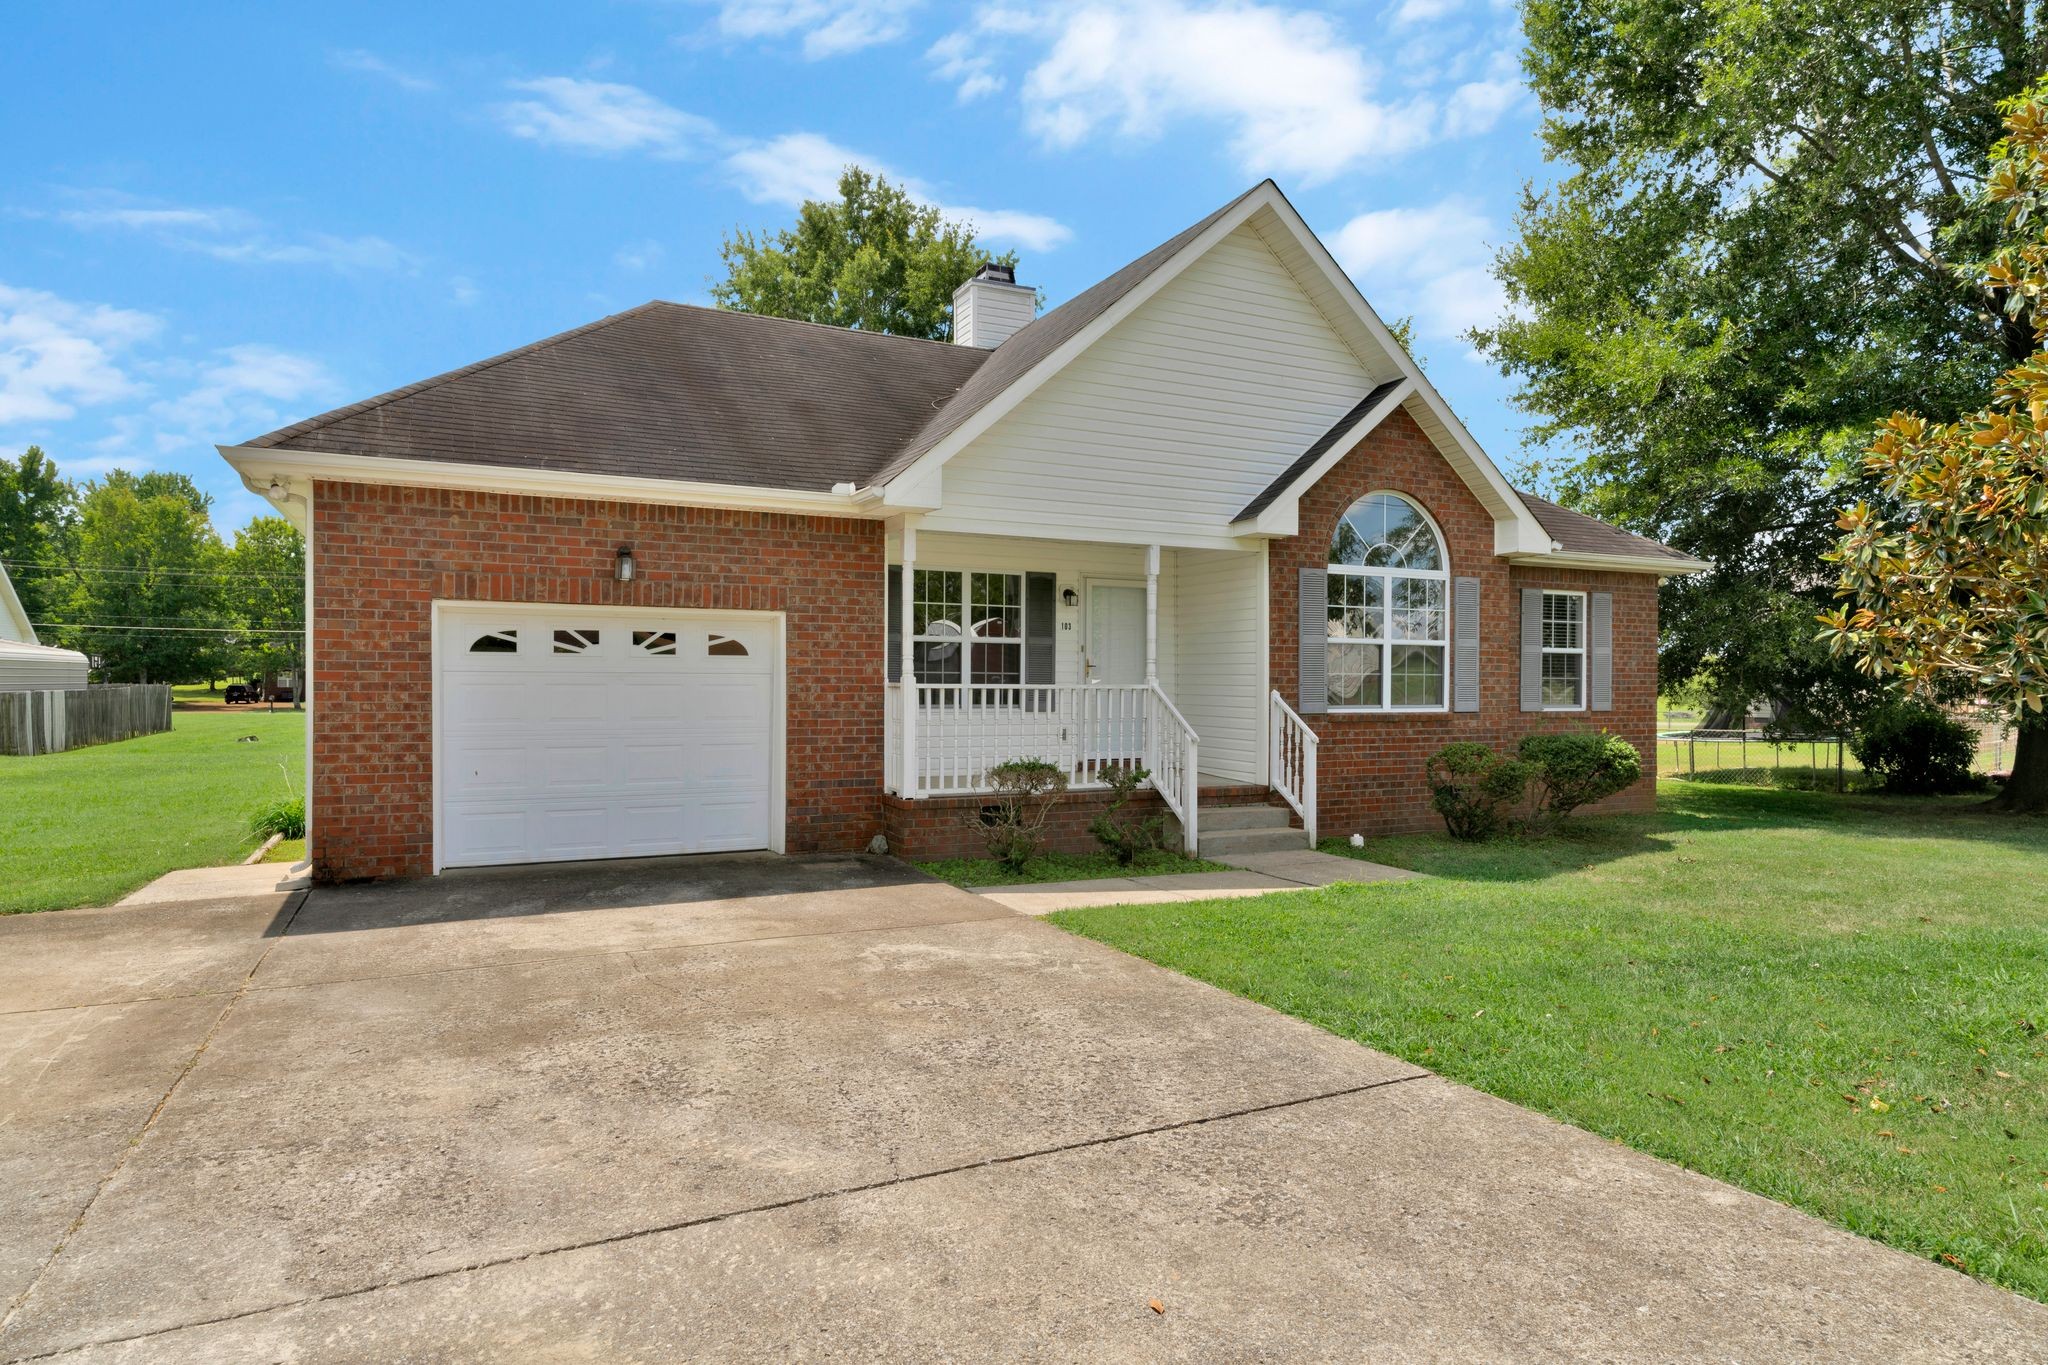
1756 757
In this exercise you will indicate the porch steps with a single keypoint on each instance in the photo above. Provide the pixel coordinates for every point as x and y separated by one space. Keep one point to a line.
1247 827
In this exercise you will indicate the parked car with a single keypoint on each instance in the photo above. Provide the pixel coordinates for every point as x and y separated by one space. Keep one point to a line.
244 694
281 695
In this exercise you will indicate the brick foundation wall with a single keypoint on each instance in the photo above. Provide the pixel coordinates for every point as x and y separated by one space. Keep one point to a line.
382 556
1370 766
937 826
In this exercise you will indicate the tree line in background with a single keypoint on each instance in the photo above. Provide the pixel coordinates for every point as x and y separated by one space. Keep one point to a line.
128 569
1775 226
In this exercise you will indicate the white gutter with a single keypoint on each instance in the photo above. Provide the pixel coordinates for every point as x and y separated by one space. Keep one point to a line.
1574 559
259 466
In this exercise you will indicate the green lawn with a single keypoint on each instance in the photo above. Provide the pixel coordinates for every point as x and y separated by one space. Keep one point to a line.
1838 1002
1062 867
89 826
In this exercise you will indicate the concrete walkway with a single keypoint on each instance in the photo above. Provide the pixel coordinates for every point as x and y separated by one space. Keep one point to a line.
1251 874
819 1109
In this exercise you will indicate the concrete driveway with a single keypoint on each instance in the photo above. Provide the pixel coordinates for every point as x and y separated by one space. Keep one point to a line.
814 1108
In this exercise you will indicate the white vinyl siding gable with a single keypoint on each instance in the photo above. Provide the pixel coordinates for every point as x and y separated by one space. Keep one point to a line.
1171 422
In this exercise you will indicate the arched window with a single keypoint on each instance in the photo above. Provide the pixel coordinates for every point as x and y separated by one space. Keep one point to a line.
1389 608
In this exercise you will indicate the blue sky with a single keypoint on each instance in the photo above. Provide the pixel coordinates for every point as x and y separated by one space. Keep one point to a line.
215 218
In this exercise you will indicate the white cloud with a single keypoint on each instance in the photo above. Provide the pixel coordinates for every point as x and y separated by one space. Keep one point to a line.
242 392
1032 231
830 28
1299 97
792 168
1430 262
641 255
462 291
370 64
601 116
1419 11
964 60
57 355
798 166
158 219
317 248
228 234
1474 107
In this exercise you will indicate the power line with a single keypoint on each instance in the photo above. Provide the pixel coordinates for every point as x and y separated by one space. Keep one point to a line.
157 573
199 630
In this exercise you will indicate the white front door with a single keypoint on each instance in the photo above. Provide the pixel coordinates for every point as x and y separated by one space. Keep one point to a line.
1116 633
569 734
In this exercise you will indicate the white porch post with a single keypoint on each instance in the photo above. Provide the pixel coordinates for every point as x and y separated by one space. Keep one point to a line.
910 785
1153 713
1152 614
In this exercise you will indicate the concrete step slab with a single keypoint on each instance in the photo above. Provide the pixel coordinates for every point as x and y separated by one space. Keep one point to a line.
1222 845
1244 817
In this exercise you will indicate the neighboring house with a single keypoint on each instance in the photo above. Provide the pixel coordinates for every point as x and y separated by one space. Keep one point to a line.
653 585
25 665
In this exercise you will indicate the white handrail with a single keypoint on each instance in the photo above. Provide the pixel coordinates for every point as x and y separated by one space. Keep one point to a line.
1177 779
1291 762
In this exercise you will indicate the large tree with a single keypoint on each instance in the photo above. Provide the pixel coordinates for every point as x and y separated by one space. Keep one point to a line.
265 591
36 509
876 260
150 570
1752 256
1947 576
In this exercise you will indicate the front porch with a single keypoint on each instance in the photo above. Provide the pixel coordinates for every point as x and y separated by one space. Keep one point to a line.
1090 656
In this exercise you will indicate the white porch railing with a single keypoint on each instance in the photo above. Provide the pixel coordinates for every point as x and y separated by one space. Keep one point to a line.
963 730
1291 761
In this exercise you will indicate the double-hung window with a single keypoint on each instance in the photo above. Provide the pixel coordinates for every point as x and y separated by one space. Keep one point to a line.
1564 651
1389 609
968 628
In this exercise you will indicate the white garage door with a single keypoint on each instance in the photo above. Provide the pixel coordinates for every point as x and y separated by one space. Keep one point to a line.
567 734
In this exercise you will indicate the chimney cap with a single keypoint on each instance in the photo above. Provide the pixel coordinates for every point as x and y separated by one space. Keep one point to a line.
996 273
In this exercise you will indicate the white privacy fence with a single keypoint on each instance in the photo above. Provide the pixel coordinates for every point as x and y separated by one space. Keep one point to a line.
961 730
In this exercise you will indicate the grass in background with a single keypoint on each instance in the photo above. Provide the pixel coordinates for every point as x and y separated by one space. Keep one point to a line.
1838 1002
1062 867
89 826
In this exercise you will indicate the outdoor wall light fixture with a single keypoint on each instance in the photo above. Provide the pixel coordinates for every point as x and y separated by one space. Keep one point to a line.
624 571
1070 597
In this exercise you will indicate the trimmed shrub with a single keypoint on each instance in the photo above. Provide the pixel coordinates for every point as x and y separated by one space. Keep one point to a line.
1126 837
1475 789
1911 748
285 816
1576 768
1013 825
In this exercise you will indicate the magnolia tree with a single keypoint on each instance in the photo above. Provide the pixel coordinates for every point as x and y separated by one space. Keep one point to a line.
1944 580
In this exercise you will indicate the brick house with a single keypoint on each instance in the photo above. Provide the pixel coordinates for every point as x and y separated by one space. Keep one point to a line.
685 580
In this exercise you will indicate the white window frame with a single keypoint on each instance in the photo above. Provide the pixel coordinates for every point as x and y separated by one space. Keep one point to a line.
1582 653
1387 642
967 639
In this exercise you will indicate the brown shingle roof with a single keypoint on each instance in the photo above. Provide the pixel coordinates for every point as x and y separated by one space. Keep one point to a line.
670 391
1577 533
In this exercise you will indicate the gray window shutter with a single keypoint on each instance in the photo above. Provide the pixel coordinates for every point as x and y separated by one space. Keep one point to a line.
1532 649
1465 641
894 663
1600 651
1314 697
1041 621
